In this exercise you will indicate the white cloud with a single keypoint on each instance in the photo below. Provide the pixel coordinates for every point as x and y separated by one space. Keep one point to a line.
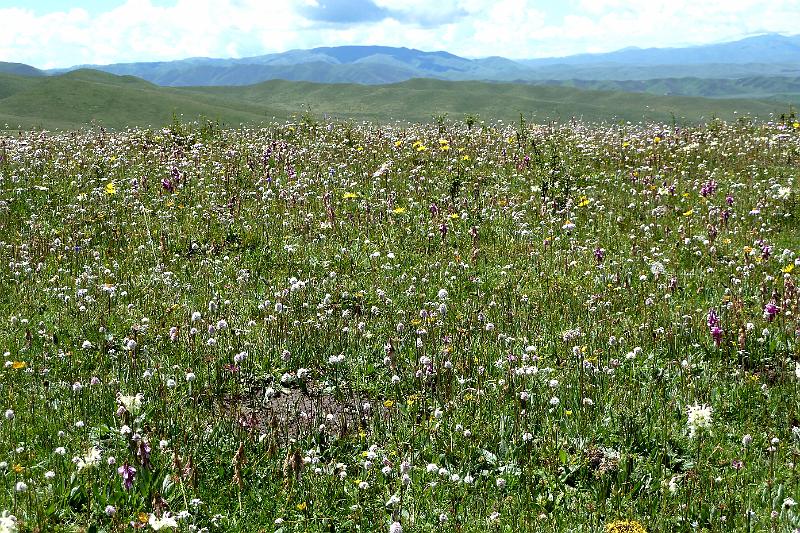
139 30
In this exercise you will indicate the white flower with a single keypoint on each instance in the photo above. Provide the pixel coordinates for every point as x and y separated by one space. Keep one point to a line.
165 521
8 523
9 414
132 404
673 485
88 460
49 474
657 269
699 417
395 528
21 486
789 503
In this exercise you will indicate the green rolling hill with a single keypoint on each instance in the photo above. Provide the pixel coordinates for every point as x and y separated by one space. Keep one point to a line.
757 87
86 97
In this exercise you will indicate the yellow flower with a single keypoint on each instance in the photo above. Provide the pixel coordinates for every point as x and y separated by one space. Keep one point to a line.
444 147
388 403
18 365
796 125
111 189
465 158
583 202
302 506
398 143
421 148
688 213
657 140
350 195
452 216
625 526
443 142
399 210
626 144
143 518
17 468
788 268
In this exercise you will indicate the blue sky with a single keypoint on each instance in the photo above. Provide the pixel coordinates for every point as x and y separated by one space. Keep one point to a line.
50 33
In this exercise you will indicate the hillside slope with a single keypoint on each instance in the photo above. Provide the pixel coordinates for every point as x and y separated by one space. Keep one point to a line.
86 97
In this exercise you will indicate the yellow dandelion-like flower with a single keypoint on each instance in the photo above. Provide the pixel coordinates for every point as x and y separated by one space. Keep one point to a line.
111 189
625 526
656 140
399 210
788 268
18 365
688 213
350 195
796 125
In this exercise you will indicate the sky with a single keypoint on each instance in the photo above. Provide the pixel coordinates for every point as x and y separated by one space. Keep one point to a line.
51 33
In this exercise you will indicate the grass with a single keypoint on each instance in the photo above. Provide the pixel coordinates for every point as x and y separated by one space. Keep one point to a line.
448 327
86 97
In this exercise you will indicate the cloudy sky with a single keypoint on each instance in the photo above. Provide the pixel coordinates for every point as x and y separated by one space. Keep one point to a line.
54 33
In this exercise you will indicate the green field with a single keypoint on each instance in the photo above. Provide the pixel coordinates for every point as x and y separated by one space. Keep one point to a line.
334 326
86 97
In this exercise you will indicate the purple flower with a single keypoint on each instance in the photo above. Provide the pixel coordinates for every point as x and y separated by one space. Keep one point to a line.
599 254
143 452
128 473
716 334
770 311
708 188
729 199
712 319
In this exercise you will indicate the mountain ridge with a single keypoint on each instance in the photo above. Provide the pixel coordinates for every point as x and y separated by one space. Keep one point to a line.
760 55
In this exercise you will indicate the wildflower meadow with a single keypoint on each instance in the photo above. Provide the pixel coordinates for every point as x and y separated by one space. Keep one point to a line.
456 327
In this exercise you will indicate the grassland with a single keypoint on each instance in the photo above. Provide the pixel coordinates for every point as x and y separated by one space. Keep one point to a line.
329 326
81 98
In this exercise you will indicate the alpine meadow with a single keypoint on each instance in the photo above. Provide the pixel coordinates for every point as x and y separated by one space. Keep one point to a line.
258 278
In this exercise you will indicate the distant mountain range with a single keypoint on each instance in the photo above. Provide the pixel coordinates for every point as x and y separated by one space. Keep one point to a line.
770 55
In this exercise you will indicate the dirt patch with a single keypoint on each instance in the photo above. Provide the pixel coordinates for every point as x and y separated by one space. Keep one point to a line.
291 413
